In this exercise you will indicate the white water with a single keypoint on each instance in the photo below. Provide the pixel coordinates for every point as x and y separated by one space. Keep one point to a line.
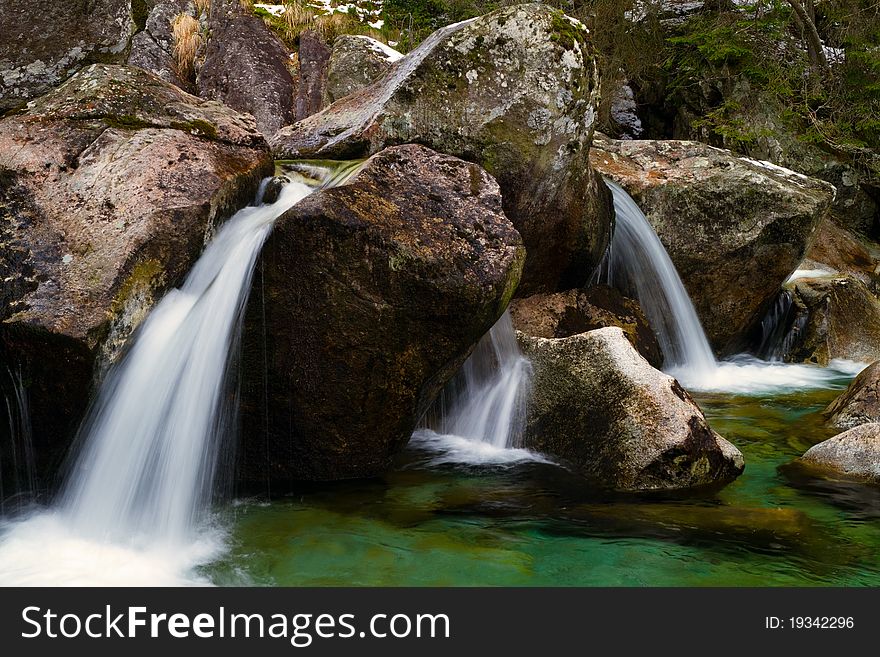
638 264
481 414
134 506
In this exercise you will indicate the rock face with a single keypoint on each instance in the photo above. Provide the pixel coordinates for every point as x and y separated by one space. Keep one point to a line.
355 62
314 58
563 314
835 317
152 48
246 67
598 407
860 404
368 299
45 41
514 91
109 187
854 454
838 250
734 228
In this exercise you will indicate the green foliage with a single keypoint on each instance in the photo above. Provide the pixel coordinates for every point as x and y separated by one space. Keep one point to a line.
838 109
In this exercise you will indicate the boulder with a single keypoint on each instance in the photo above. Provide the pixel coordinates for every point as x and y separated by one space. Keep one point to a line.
355 62
734 228
598 407
152 48
833 318
854 454
514 91
314 58
246 67
109 186
837 250
860 404
563 314
46 41
367 299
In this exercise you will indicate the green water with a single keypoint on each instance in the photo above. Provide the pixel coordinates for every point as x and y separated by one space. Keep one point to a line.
535 524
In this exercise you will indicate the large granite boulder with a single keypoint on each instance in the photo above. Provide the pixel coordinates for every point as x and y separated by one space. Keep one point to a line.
109 186
734 228
563 314
514 91
860 404
246 67
853 454
45 41
314 60
355 61
368 298
598 407
837 250
832 318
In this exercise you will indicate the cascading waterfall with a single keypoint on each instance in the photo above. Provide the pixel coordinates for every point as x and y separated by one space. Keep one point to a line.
637 264
150 447
21 446
143 479
480 415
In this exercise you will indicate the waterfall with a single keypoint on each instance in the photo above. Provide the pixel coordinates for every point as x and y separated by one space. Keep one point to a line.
152 436
21 446
780 329
480 415
487 398
638 264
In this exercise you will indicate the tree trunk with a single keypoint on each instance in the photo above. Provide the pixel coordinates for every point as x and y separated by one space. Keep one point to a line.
811 34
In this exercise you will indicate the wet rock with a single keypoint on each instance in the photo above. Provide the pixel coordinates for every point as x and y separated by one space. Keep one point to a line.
515 92
368 298
600 408
109 186
838 250
46 41
734 228
314 59
860 404
854 454
355 62
563 314
833 318
246 67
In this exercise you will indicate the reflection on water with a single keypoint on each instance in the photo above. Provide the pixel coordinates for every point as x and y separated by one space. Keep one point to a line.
532 523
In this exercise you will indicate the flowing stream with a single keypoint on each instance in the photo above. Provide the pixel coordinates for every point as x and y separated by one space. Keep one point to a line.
140 489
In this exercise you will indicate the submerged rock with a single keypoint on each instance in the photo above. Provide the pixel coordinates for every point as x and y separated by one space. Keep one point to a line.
355 62
368 298
515 92
853 454
734 228
46 41
833 318
109 187
600 408
563 314
860 404
246 67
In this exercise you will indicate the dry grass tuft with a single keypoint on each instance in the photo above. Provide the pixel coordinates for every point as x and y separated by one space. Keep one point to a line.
202 6
188 41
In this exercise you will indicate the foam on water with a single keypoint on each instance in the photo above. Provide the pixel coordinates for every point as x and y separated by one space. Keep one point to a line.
449 449
747 375
44 550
